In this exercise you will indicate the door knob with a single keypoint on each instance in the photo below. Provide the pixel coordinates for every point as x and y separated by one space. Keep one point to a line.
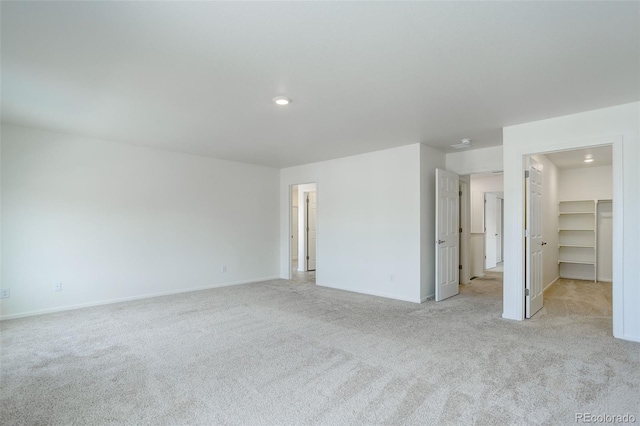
440 241
544 243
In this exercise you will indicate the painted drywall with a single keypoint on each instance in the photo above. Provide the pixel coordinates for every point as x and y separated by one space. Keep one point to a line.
369 216
475 161
476 246
430 160
620 126
550 252
118 222
592 183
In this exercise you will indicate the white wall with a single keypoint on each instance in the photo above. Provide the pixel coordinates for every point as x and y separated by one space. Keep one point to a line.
550 221
476 246
592 183
481 160
369 236
619 125
430 160
116 222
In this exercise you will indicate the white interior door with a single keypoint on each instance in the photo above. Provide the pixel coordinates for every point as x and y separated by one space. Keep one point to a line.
499 225
604 240
294 232
447 243
534 242
311 230
490 231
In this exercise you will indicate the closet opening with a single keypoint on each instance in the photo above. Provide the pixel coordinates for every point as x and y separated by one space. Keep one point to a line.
569 233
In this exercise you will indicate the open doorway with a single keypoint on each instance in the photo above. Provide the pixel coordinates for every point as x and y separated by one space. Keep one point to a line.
476 220
485 223
569 232
303 241
493 231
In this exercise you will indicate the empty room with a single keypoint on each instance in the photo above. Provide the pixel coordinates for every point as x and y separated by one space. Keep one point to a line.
319 213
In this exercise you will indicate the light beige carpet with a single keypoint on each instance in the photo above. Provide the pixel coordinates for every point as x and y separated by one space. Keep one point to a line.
292 353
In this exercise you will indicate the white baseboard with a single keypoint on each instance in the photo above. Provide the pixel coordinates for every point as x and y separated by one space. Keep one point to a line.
551 283
630 338
372 293
509 317
128 299
430 296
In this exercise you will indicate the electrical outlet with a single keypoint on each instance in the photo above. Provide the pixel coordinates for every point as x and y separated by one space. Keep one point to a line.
57 287
5 293
223 269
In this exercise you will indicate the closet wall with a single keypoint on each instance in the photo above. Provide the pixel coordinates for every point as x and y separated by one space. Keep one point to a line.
591 186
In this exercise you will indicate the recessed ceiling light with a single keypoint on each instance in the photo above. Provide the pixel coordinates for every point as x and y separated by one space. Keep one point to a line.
588 160
282 100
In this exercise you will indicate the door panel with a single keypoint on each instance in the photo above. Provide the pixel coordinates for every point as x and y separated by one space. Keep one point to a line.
490 231
294 232
311 234
604 241
499 225
533 301
447 239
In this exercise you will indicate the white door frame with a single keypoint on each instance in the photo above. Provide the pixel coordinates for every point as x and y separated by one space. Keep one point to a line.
514 289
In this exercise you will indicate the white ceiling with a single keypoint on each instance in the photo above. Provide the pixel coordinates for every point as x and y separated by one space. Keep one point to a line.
198 77
574 159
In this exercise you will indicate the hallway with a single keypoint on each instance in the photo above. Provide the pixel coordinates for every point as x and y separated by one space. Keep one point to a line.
299 277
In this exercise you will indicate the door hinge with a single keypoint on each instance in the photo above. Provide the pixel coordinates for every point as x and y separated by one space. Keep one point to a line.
307 229
460 193
461 230
459 266
485 257
526 233
526 174
526 291
307 257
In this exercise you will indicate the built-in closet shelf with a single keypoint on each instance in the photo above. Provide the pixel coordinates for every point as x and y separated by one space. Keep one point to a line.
562 213
577 238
